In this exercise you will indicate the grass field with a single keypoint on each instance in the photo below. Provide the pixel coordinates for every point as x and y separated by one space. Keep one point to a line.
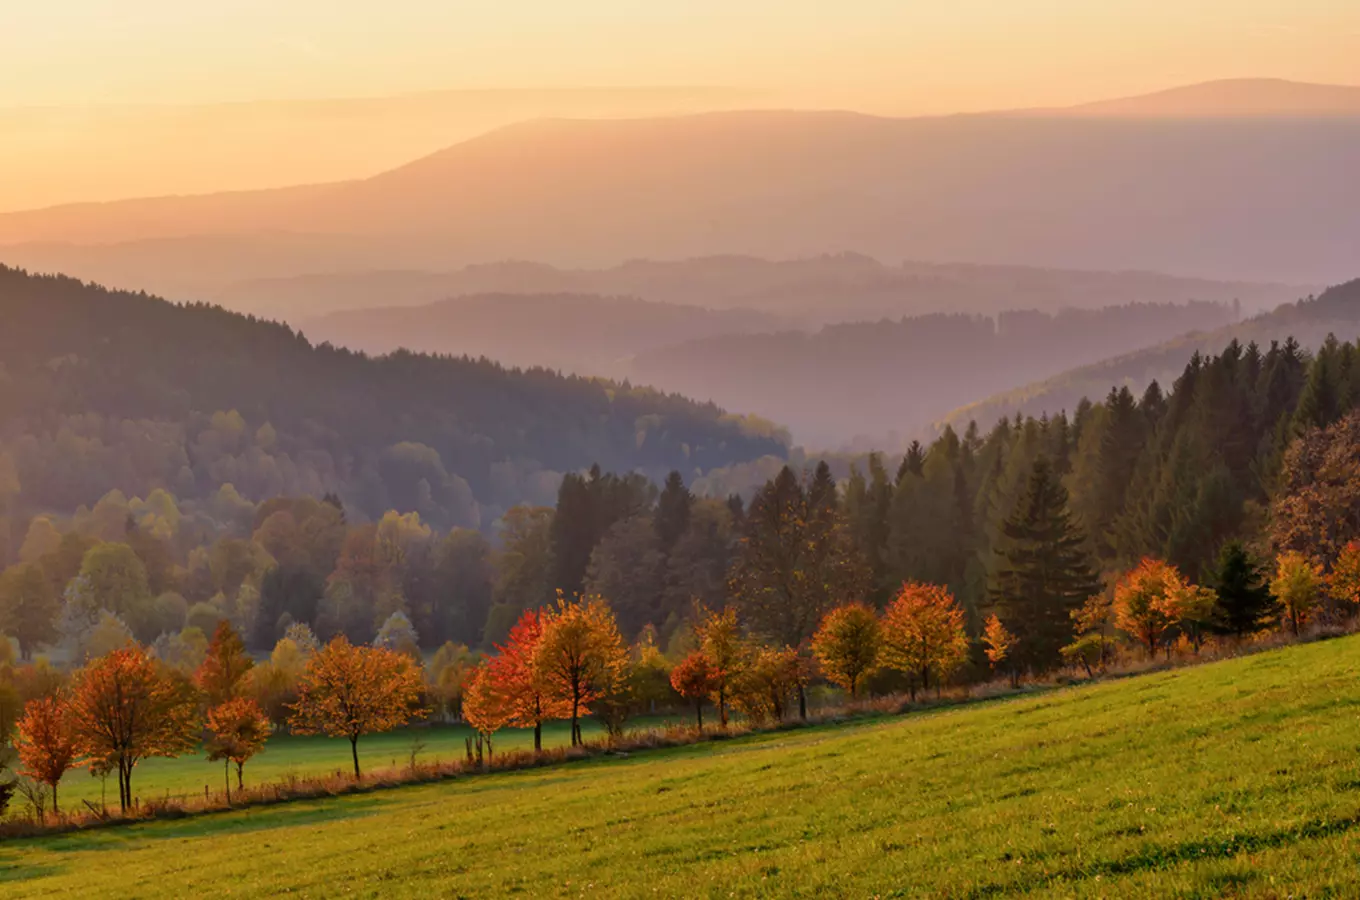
287 755
1239 778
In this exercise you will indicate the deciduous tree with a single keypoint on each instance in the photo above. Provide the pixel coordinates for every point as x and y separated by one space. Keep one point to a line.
349 691
47 743
580 655
1298 586
484 705
237 730
1145 602
923 634
526 691
692 680
125 708
721 641
997 643
219 676
847 645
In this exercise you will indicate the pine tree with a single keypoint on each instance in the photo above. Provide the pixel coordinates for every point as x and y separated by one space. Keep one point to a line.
672 511
1245 605
1043 572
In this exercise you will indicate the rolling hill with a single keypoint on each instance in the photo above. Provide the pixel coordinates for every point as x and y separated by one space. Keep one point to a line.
1256 197
102 390
1235 778
1334 311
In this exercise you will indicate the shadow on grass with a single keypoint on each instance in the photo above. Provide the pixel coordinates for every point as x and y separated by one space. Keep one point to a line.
1158 857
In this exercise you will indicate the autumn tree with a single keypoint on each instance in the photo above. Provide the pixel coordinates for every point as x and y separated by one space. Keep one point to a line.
1195 608
579 655
1316 509
1297 585
721 642
125 708
847 645
997 643
1343 583
923 634
349 691
237 730
769 679
526 691
47 744
693 680
1145 602
1094 643
219 676
485 707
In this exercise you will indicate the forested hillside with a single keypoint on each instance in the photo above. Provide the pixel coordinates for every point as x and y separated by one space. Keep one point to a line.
876 378
1309 322
105 390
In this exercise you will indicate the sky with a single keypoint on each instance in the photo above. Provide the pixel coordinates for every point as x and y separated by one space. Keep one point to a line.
895 56
107 99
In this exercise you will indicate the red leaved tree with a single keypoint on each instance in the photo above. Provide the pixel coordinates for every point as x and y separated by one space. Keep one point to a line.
693 680
485 707
349 691
523 686
125 707
46 743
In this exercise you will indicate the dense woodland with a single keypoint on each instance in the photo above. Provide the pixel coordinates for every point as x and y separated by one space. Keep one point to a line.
105 390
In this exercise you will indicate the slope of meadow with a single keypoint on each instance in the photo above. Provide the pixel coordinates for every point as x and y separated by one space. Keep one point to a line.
1235 778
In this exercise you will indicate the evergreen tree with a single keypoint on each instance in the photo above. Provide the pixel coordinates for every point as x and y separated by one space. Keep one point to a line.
1043 572
672 511
1245 605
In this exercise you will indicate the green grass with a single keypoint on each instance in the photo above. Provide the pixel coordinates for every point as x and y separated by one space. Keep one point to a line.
1233 779
288 755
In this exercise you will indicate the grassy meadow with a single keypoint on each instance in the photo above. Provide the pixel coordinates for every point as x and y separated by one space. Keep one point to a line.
1239 778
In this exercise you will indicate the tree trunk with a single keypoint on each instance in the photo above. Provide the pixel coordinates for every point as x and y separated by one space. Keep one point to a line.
240 776
722 707
226 776
354 751
699 713
802 702
538 737
56 811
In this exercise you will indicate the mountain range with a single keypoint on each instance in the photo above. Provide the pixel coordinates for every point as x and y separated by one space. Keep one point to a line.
1202 183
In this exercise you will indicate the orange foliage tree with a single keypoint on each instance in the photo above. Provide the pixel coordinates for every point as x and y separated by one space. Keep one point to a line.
528 697
46 743
721 642
227 662
923 634
770 678
1146 602
237 730
349 691
485 708
847 645
580 655
997 643
1344 582
692 680
125 707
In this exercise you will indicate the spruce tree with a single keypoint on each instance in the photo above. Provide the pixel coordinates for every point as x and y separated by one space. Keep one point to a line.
1244 602
1042 571
672 511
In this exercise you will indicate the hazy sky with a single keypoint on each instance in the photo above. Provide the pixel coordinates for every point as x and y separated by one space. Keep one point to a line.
885 55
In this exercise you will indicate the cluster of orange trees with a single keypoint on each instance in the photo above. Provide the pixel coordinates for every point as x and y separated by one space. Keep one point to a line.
127 706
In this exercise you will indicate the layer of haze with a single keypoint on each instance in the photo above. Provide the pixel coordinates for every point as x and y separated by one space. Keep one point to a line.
100 100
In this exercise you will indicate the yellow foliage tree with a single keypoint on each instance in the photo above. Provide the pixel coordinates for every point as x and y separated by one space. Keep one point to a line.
923 634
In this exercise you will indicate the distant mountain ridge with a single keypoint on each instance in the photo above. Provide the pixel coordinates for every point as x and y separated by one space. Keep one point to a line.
1260 197
1334 311
1236 97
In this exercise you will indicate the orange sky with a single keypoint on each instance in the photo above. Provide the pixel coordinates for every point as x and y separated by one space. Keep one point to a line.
884 56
